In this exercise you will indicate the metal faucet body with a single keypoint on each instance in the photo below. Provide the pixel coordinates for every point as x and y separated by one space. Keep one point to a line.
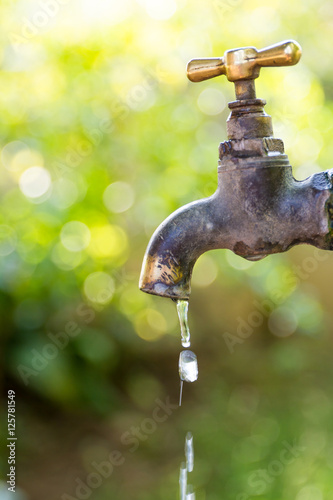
258 209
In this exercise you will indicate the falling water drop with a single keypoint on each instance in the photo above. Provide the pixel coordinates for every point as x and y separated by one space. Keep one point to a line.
189 452
188 370
183 481
182 309
190 495
188 366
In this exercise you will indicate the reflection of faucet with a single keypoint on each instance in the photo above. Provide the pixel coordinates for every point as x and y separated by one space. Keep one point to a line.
258 208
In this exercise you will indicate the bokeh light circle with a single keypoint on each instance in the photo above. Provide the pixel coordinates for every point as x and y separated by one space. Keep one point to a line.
99 287
310 492
118 197
205 271
211 101
16 156
150 325
75 236
64 193
65 259
108 241
282 321
35 182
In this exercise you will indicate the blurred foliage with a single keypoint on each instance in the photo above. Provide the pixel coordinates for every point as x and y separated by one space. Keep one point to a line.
102 137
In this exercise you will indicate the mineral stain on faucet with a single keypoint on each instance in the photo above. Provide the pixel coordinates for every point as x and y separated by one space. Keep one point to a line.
259 208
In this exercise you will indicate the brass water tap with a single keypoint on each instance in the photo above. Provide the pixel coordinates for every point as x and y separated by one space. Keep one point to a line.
258 208
243 65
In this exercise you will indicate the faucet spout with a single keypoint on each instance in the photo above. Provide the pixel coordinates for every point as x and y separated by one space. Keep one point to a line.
174 248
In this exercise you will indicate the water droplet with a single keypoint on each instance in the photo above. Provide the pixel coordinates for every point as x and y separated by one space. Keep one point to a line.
190 493
188 366
182 309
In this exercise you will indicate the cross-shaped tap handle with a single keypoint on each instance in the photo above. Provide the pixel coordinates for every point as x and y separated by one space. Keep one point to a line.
244 63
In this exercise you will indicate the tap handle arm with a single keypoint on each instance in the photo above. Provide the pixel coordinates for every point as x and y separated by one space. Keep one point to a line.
244 63
199 70
281 54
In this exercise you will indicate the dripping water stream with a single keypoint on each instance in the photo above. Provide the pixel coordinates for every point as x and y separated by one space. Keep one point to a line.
188 372
188 364
186 490
182 309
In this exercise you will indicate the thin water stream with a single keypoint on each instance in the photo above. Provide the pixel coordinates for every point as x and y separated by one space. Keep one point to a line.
186 490
182 309
189 452
188 364
188 372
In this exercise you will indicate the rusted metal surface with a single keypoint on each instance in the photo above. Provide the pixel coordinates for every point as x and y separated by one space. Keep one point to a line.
258 209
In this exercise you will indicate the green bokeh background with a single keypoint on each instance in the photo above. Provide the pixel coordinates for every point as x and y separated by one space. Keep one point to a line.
94 93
